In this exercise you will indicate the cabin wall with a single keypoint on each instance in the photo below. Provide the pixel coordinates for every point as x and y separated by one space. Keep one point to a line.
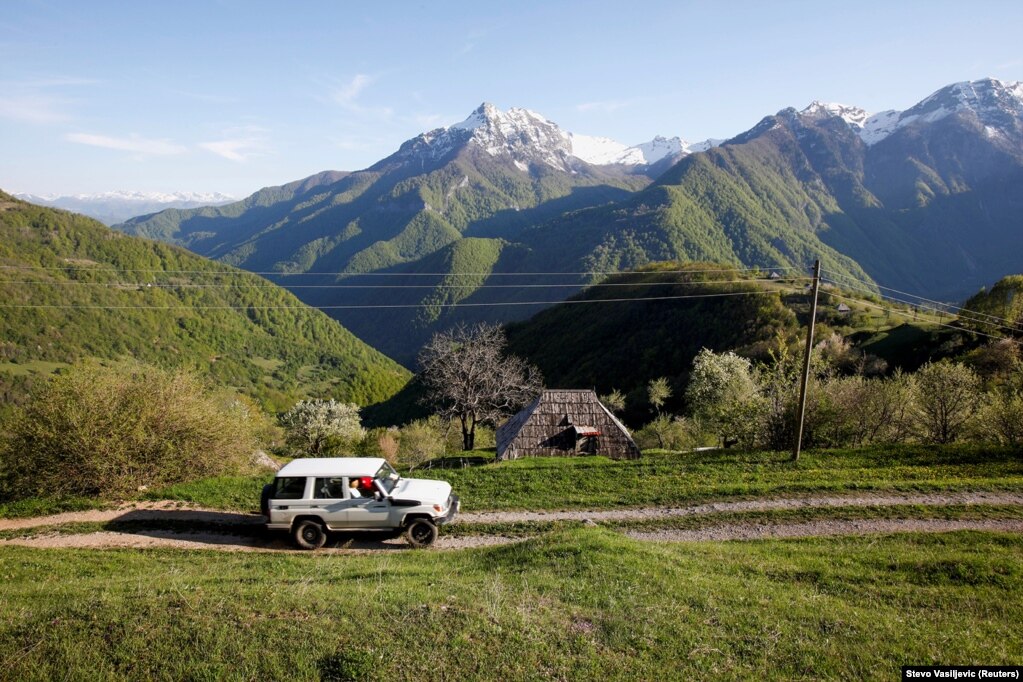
546 429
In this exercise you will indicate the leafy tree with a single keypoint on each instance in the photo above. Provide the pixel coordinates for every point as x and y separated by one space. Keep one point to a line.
109 430
1001 416
658 391
668 433
318 427
723 394
614 401
947 397
469 378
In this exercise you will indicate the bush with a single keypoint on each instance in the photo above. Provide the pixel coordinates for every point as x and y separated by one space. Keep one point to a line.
1001 417
419 442
667 433
109 430
723 395
947 397
319 428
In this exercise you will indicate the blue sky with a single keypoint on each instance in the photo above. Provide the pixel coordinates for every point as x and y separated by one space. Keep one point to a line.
234 95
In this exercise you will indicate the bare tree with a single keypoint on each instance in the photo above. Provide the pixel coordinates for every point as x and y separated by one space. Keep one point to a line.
469 377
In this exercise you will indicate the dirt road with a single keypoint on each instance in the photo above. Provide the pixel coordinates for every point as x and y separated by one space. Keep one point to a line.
249 537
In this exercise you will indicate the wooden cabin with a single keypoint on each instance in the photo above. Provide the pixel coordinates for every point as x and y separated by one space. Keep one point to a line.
563 423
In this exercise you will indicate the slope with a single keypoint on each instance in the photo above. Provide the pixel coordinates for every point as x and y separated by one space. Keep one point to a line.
73 289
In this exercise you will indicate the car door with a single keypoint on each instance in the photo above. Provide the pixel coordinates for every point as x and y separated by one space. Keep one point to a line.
331 500
368 512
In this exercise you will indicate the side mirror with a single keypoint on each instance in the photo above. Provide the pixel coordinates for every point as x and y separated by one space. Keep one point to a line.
378 496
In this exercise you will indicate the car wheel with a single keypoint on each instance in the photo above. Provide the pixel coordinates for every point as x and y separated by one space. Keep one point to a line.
310 534
421 533
264 500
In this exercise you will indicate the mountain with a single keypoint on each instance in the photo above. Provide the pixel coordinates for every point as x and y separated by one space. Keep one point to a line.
451 201
925 200
74 289
115 207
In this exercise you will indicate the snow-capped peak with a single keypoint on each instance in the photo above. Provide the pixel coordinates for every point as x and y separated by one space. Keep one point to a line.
996 104
818 110
529 138
138 196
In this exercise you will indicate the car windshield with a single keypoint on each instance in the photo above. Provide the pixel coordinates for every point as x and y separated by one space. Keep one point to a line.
388 477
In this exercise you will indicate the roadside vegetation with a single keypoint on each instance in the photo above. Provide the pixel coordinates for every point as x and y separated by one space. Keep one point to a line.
659 478
572 604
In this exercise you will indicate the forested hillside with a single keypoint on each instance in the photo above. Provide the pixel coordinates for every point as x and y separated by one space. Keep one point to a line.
74 289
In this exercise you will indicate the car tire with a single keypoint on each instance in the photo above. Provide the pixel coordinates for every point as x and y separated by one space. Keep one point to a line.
309 534
264 500
421 533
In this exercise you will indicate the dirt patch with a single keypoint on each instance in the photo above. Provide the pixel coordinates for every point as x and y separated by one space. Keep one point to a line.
139 511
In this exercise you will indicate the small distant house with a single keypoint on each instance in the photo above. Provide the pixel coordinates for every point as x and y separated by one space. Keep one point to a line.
774 275
843 309
565 423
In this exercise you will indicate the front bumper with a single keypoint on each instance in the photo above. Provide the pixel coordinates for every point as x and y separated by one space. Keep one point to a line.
453 508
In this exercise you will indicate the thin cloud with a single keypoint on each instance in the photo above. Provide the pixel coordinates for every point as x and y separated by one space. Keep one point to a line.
33 100
133 143
348 93
239 144
34 108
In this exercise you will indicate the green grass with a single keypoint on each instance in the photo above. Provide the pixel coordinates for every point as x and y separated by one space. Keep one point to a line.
587 482
44 506
774 517
239 493
663 478
31 367
574 604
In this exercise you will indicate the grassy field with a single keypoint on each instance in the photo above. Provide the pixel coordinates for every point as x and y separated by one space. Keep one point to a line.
573 604
657 479
673 478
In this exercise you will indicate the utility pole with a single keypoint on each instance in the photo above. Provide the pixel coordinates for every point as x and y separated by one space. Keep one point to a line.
805 379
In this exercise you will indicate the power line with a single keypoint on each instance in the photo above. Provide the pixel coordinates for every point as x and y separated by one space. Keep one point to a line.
390 274
1008 326
379 306
908 316
949 306
269 285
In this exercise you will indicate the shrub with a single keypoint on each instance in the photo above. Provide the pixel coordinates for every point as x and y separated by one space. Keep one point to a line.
724 396
419 442
319 428
947 397
109 430
667 433
1001 417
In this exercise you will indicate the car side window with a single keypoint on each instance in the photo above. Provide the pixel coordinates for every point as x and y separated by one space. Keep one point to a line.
289 488
329 488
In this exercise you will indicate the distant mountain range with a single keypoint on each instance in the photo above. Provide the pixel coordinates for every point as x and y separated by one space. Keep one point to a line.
116 207
927 200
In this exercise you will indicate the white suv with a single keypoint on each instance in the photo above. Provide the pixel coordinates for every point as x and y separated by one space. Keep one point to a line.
311 497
